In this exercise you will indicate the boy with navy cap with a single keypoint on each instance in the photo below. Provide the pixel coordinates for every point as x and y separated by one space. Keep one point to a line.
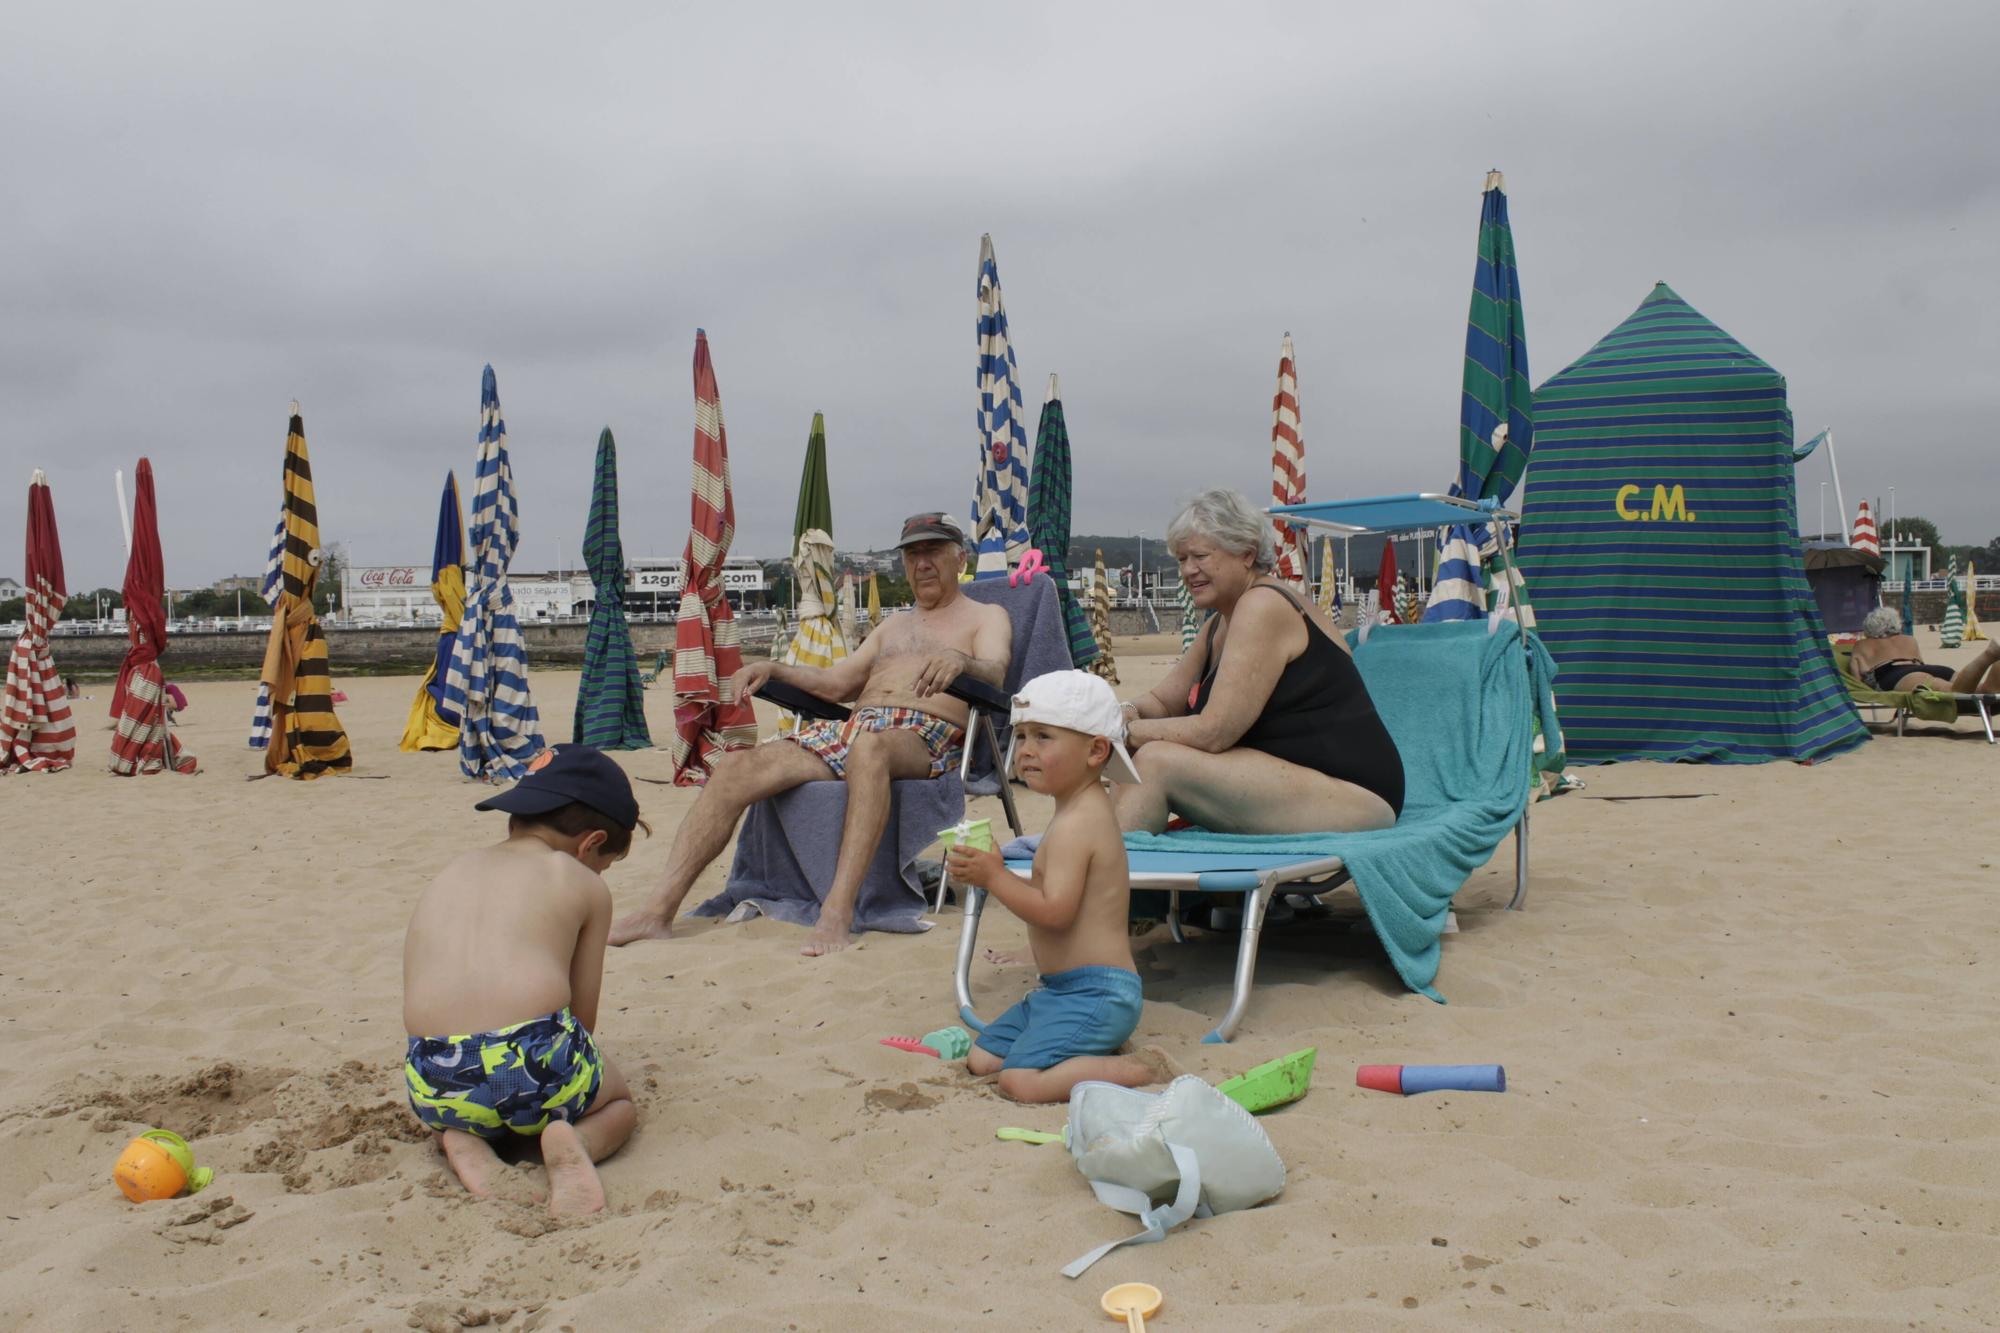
503 966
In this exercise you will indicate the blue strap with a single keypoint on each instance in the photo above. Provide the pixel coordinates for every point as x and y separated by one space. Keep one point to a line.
1157 1221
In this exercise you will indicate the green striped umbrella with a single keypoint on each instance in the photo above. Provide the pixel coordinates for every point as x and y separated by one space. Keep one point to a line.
815 495
610 701
1048 519
1952 630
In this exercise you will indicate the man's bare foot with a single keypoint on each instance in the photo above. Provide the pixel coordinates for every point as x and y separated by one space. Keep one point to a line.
831 935
574 1189
1158 1063
1009 957
640 926
472 1161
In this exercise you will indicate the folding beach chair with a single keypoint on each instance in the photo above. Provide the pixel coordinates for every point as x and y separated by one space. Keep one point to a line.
787 846
1923 704
1461 699
659 665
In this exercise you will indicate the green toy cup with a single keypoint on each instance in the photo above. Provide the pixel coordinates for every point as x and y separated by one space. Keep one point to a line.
975 833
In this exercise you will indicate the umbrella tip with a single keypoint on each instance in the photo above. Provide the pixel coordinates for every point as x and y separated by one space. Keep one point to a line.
38 478
1055 388
295 407
1495 181
701 333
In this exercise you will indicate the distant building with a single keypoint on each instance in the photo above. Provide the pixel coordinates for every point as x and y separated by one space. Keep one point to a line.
401 595
653 584
239 583
9 590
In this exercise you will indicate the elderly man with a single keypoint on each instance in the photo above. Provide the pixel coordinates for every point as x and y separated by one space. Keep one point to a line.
904 726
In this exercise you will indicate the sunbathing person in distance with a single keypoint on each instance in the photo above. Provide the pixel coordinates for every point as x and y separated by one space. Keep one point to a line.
1888 659
904 726
1067 734
506 950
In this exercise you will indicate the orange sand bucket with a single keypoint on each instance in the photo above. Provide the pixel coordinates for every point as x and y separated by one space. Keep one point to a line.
158 1165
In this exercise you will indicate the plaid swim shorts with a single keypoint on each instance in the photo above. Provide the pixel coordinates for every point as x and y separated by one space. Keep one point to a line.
831 740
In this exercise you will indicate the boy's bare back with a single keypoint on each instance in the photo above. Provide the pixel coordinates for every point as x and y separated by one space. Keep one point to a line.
505 934
1086 826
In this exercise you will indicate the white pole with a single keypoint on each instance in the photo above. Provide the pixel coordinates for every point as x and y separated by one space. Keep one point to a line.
124 510
1839 499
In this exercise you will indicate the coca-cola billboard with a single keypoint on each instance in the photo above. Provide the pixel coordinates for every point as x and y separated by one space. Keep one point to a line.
390 576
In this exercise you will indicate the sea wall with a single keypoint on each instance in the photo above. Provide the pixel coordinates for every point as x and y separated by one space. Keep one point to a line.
371 651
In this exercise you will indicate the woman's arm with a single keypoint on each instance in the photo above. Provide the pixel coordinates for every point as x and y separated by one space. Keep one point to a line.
1263 632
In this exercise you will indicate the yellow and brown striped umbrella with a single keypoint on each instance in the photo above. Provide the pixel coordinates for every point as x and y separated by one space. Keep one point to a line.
306 738
1100 626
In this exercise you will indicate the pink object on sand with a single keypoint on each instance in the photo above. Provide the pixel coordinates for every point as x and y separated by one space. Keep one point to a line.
912 1045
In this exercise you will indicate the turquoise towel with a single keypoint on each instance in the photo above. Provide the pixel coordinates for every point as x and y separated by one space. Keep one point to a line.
1456 701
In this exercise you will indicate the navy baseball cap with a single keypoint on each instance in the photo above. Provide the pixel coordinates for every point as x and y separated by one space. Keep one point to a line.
563 774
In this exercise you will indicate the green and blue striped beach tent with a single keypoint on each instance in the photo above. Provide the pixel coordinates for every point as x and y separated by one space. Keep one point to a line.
610 699
1660 534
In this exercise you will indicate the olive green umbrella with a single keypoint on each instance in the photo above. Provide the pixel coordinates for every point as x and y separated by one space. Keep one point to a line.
815 496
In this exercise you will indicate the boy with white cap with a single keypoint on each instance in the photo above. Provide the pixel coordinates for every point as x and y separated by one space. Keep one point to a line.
1068 736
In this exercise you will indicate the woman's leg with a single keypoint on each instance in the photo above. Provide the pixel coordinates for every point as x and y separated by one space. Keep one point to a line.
1243 791
1981 674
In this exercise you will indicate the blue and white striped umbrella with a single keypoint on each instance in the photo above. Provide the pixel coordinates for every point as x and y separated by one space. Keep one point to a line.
273 584
1000 495
487 685
1457 593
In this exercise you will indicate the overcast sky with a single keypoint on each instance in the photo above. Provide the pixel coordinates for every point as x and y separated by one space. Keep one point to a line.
214 209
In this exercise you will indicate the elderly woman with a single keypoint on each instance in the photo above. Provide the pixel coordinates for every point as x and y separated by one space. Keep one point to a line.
1264 726
1888 659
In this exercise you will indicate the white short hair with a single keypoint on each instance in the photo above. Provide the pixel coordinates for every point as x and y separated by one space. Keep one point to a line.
1229 520
1882 623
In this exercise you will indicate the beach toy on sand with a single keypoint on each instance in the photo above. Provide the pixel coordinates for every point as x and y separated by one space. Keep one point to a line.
1134 1302
913 1045
950 1043
1031 1137
158 1165
972 832
1272 1084
1407 1079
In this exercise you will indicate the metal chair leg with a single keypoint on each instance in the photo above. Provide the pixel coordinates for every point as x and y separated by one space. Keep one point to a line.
1254 903
1985 720
1520 860
1174 916
968 936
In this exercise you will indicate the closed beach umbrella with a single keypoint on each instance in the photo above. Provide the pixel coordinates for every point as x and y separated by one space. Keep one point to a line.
142 740
815 507
1865 537
486 681
1190 618
274 579
1288 469
707 650
1100 624
37 733
1329 580
610 701
433 725
1049 516
307 740
1000 497
874 602
1909 598
1496 408
1408 609
1952 631
1385 583
1972 630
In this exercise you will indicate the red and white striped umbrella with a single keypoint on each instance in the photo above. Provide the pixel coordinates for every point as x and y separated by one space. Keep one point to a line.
707 647
36 730
1288 469
1865 537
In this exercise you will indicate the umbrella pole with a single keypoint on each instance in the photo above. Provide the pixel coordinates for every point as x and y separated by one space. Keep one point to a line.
124 510
1839 499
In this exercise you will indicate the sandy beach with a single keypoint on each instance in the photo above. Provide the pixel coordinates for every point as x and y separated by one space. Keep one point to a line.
1751 1040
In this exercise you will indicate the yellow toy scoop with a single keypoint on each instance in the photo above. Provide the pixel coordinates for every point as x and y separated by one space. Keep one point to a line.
1134 1302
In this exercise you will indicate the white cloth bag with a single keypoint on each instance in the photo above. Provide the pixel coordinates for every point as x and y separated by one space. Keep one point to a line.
1167 1156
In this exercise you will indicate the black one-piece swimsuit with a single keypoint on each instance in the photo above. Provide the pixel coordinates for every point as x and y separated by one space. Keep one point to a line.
1319 716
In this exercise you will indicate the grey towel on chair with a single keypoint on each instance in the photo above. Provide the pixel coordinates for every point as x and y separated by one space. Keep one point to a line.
786 849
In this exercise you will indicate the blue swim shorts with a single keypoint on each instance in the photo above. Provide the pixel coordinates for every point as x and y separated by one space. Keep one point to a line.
513 1081
1084 1011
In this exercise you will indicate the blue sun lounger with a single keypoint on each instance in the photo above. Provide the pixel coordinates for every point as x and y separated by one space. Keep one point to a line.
1461 699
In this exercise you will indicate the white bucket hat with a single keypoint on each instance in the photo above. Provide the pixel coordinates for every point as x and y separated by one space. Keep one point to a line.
1077 701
